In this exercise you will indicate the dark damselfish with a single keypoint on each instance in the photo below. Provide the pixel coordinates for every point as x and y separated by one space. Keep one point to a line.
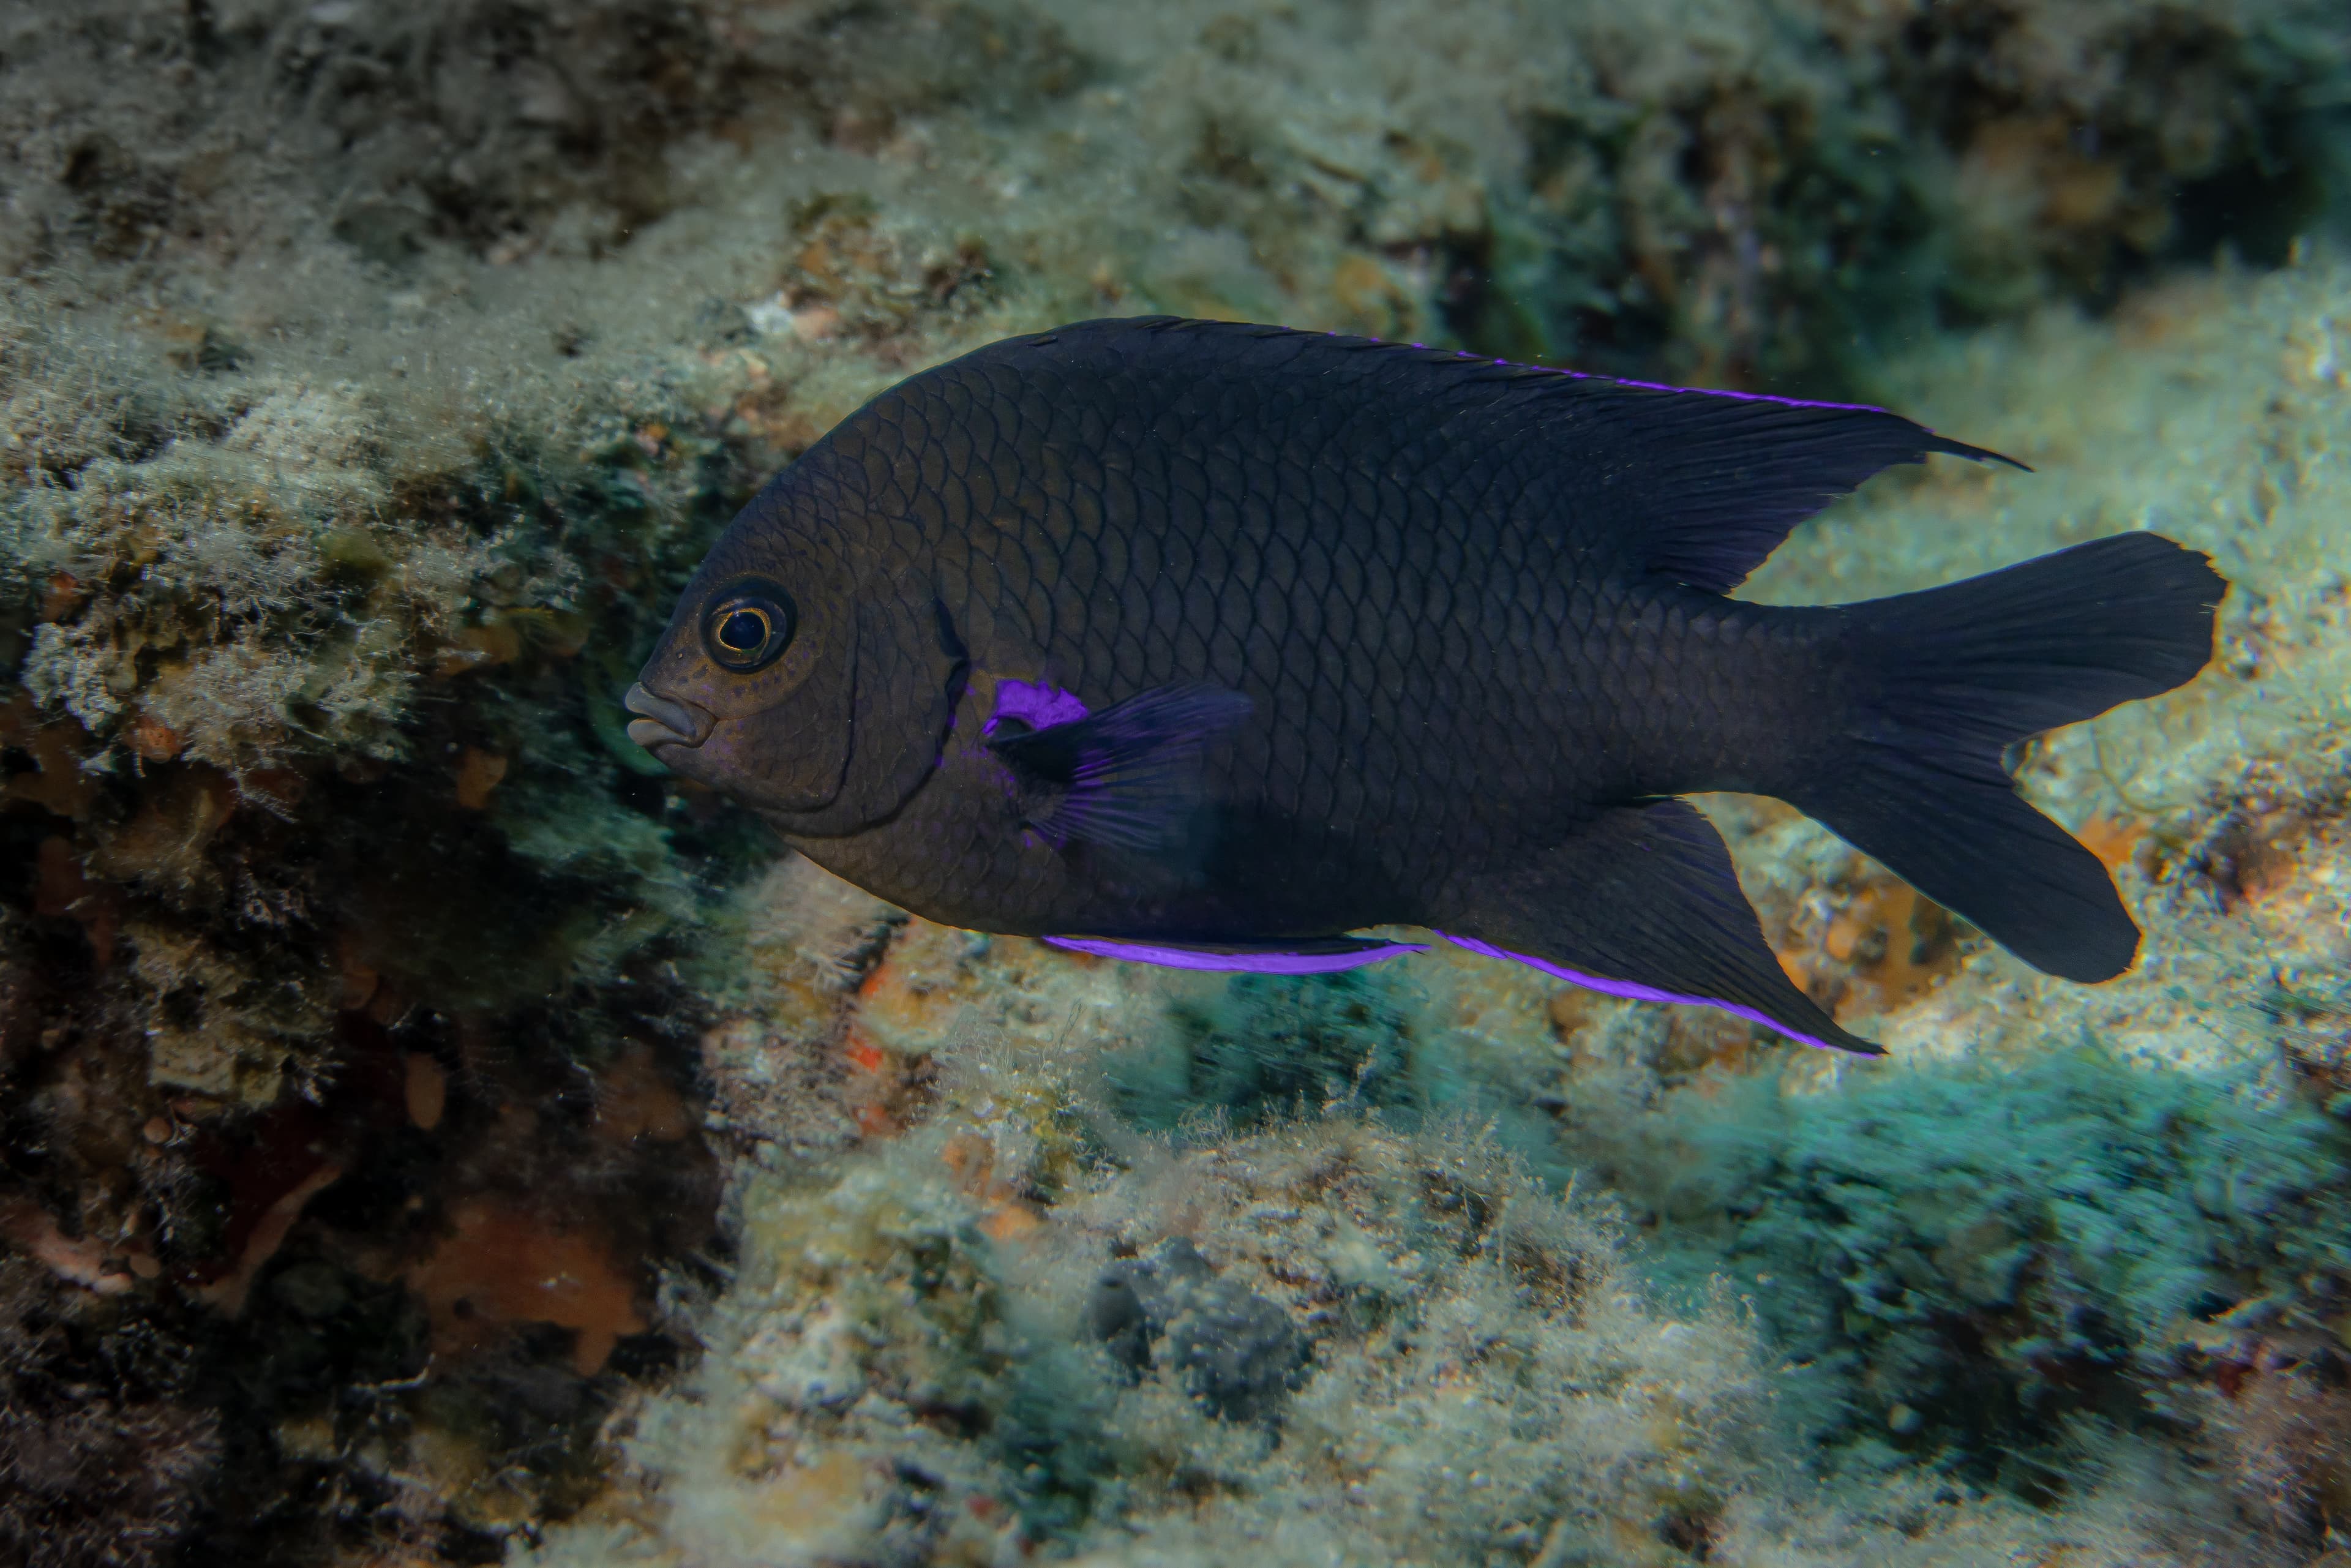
1217 645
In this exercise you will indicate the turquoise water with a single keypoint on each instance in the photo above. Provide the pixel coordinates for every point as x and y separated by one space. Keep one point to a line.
431 1132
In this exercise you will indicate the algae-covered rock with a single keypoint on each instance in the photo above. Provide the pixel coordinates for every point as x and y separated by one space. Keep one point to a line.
883 1328
311 788
1993 1251
87 1476
1237 1354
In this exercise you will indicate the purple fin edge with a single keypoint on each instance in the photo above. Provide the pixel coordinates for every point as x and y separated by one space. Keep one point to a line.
1177 958
1734 396
1636 992
1669 387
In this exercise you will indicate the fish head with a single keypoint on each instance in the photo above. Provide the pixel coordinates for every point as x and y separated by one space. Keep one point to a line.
751 689
808 670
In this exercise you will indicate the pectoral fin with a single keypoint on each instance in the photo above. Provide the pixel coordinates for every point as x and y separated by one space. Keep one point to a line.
1643 903
1128 777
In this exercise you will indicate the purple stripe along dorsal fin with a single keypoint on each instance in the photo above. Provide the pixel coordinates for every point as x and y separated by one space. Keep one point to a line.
1316 956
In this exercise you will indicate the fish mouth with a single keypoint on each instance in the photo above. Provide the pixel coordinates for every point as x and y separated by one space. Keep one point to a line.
664 721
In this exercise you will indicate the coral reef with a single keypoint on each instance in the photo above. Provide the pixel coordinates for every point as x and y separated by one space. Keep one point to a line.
429 1132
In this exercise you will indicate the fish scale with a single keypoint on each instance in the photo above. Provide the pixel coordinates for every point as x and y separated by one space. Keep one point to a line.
1339 634
1402 535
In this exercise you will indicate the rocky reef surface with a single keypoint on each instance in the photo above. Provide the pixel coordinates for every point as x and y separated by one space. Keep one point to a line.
428 1133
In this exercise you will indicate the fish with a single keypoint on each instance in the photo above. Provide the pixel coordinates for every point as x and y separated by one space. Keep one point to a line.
1242 648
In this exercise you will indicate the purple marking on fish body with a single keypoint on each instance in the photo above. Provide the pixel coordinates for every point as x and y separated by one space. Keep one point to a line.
1204 958
1630 989
1034 704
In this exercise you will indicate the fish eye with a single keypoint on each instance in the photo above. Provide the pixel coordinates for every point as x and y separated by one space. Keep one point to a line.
750 623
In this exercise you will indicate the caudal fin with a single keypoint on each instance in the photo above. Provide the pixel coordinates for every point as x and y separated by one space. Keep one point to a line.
1954 676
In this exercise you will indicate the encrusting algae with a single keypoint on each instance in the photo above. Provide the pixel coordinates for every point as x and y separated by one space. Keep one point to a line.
429 1134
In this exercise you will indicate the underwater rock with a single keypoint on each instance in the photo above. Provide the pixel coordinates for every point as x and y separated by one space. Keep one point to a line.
1440 1292
1704 190
112 1473
1236 1352
2275 1417
103 1483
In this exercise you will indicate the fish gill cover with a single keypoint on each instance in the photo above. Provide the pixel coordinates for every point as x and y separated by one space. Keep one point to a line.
428 1133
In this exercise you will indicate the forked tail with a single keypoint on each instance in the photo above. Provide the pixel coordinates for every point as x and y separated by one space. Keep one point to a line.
1950 677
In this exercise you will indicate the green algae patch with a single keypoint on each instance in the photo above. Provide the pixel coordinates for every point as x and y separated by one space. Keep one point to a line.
1993 1248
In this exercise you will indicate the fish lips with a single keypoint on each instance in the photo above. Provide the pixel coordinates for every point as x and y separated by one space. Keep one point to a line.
666 721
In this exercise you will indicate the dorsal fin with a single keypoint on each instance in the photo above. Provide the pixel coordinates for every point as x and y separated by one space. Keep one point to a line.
1720 479
1697 486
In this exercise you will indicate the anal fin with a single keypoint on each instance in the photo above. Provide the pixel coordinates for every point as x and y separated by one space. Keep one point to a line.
1643 903
1311 956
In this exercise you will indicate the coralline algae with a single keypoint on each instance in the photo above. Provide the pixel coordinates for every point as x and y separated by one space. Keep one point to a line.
426 1135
